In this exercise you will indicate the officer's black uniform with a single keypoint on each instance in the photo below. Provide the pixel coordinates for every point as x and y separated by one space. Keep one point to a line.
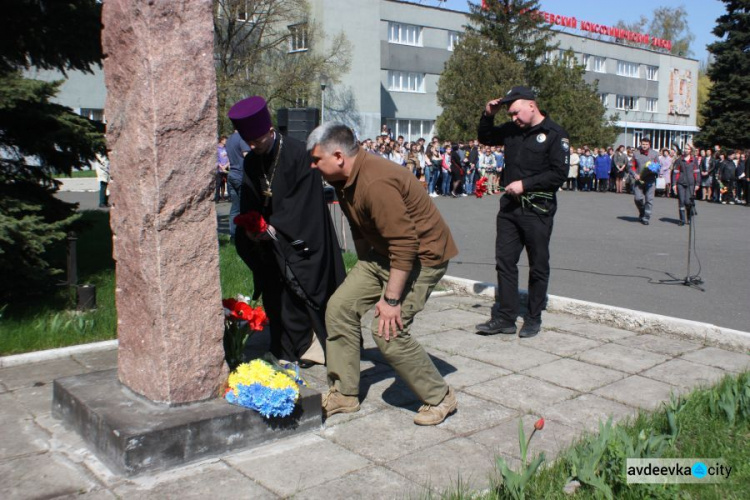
539 157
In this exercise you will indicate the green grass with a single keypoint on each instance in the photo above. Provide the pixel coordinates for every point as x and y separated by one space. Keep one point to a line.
704 430
51 321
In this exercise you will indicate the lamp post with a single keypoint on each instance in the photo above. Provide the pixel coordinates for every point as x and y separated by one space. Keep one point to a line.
322 102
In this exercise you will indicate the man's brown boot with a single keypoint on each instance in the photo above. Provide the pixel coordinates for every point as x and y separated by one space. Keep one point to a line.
334 402
433 415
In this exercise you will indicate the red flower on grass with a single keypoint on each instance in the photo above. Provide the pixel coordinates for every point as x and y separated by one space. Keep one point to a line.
252 221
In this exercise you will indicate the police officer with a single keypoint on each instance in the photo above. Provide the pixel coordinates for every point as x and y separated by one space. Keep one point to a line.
536 166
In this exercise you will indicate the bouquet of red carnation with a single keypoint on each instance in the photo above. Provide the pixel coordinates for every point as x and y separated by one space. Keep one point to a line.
240 319
252 221
481 187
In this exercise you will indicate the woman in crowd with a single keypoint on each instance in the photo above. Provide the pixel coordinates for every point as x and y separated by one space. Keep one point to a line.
585 170
575 158
602 163
457 171
620 161
435 157
705 172
665 171
413 161
445 171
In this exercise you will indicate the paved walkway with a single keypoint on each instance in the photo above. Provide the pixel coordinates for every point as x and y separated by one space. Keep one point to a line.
573 374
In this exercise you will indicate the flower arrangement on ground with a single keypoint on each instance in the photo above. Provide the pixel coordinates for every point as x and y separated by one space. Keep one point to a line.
481 187
240 320
265 387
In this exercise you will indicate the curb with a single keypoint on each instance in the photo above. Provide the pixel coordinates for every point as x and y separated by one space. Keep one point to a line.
51 354
619 317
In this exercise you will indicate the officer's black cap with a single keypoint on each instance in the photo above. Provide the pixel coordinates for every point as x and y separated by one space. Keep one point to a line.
519 92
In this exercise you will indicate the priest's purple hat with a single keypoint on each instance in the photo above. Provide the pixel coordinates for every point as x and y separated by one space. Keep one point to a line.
251 117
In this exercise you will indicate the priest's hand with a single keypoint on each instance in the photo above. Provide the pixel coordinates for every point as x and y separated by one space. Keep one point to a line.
390 320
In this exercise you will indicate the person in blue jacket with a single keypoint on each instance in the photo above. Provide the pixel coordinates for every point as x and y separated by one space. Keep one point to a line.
603 164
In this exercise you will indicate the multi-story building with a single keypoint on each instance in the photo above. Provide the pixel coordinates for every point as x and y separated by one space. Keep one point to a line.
399 50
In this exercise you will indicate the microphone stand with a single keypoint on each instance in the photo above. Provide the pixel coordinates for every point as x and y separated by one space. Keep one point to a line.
688 280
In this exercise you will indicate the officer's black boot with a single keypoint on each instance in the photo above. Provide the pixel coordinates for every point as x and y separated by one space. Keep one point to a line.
495 326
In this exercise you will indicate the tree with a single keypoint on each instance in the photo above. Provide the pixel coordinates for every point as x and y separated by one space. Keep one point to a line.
272 48
704 87
508 44
492 72
728 103
671 23
668 23
39 138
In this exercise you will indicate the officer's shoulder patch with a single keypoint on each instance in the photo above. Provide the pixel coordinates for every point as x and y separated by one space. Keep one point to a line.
565 144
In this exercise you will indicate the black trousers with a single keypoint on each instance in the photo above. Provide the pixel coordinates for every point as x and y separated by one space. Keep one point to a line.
519 228
291 319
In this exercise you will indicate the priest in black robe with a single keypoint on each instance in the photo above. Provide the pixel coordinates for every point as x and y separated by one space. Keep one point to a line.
297 263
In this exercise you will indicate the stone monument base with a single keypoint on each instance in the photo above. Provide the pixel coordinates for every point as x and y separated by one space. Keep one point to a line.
132 435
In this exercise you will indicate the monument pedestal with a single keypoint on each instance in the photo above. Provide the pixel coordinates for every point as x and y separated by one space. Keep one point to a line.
131 434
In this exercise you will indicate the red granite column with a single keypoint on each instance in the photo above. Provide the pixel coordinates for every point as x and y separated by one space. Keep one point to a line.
161 130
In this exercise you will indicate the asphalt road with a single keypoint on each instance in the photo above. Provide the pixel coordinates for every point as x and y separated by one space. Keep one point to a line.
601 253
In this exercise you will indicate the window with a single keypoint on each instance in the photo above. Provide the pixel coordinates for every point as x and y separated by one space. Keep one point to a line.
401 81
652 73
407 34
298 38
627 103
412 129
651 105
594 63
96 115
627 69
604 98
453 39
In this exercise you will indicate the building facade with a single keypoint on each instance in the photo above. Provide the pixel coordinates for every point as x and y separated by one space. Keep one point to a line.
399 50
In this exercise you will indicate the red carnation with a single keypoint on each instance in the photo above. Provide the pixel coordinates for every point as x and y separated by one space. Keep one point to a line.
257 319
252 221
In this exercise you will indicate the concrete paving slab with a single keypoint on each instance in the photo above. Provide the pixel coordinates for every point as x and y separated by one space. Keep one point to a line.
216 480
449 319
42 476
444 466
387 390
575 375
385 436
21 438
370 482
685 374
475 414
514 355
560 343
36 399
559 321
503 439
720 358
522 392
597 331
289 471
35 373
102 494
625 359
460 342
12 409
584 412
3 389
659 344
638 392
95 361
470 371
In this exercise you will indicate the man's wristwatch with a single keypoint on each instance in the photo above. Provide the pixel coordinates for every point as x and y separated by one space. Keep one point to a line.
392 302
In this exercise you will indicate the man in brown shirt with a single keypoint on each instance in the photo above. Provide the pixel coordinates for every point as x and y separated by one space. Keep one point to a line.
403 245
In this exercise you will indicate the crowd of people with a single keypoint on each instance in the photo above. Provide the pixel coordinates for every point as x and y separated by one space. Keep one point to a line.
449 168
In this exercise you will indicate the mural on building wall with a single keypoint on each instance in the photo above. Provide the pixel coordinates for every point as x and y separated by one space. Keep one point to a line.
680 92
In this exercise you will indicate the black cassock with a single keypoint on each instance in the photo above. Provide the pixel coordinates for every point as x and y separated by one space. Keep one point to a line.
296 273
